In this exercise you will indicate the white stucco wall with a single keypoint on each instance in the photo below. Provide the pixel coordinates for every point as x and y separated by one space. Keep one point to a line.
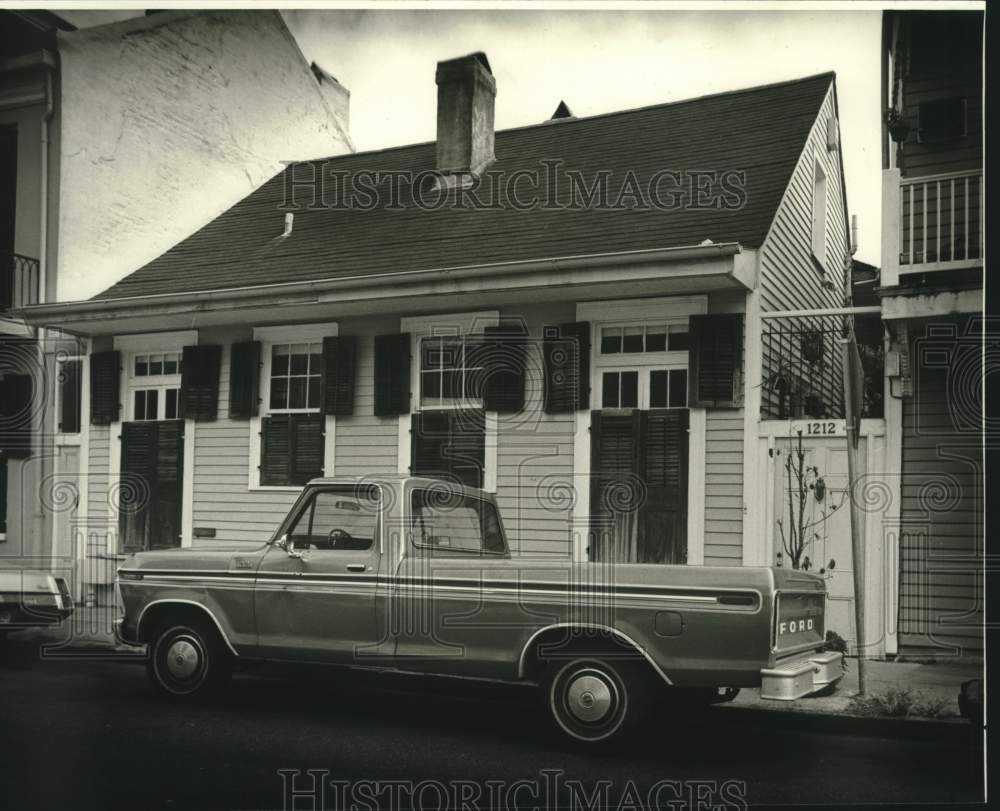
168 120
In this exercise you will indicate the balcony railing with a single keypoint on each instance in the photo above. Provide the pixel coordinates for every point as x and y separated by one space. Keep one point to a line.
18 281
932 223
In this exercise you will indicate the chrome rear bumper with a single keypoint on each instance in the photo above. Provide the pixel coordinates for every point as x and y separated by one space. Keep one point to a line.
801 676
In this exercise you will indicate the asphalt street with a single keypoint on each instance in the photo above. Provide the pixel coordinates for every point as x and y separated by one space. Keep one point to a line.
86 733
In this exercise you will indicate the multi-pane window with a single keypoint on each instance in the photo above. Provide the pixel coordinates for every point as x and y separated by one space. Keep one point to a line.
167 363
642 388
620 389
450 371
296 376
155 386
642 364
644 338
146 404
668 388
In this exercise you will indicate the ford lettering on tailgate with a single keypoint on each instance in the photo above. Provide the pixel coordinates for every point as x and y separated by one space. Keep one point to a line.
799 620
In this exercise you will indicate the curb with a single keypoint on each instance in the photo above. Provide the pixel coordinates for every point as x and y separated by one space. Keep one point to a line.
956 728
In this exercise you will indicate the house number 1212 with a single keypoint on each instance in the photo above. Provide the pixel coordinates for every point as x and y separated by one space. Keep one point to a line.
820 428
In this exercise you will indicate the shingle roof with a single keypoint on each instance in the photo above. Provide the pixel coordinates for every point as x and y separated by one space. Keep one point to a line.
760 131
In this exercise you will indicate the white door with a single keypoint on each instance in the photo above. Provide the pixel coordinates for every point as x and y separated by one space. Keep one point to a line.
827 520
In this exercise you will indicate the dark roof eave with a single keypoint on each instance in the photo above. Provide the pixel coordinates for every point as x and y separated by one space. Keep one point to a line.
65 313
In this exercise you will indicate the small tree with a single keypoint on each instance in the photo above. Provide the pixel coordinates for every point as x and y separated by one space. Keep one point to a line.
797 534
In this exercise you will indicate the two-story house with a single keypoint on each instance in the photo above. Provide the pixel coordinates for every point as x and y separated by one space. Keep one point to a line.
116 141
566 313
931 293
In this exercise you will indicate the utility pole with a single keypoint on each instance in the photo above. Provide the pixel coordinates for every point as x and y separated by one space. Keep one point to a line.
853 401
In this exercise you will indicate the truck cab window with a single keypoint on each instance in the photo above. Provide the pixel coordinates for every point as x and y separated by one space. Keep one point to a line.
451 522
336 520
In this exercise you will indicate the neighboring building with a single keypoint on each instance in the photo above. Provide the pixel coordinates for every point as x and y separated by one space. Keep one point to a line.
29 160
566 358
116 142
931 294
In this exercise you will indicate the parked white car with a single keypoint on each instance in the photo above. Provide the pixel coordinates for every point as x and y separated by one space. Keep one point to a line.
30 598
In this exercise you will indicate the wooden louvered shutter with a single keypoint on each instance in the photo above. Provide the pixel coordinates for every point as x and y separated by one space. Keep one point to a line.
105 377
16 397
449 445
614 482
504 359
200 382
392 374
291 449
715 358
139 486
244 380
566 355
307 448
339 371
663 465
428 439
467 446
165 531
275 450
69 396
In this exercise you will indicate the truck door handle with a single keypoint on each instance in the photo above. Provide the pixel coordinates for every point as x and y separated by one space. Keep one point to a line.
355 567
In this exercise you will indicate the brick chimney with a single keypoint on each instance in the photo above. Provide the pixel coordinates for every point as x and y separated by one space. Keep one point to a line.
466 95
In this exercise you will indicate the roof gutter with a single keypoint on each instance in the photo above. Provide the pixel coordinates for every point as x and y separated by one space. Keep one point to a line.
53 314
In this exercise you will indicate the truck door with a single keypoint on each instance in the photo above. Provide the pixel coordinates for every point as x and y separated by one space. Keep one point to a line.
315 591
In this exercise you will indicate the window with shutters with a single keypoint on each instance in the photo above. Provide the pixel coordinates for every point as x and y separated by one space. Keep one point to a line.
448 358
154 383
448 433
641 364
289 437
296 372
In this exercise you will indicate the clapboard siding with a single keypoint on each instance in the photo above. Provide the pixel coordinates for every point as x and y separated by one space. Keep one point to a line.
724 487
789 279
535 456
366 445
222 500
941 545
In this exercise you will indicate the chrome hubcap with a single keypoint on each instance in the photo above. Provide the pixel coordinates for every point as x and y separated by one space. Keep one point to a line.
590 698
183 659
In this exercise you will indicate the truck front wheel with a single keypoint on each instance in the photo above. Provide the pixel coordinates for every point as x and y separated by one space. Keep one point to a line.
595 701
187 658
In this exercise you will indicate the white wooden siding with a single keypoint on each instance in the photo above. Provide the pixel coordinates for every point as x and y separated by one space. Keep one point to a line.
724 487
789 279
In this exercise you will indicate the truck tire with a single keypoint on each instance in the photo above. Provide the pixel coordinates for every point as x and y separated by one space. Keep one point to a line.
187 658
596 701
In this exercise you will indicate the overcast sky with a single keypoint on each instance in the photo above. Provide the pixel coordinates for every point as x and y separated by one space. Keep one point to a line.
600 61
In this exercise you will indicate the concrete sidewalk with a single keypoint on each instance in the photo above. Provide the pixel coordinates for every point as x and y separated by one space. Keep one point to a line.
926 692
917 691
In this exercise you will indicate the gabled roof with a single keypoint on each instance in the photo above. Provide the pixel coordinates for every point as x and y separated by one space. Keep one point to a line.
760 131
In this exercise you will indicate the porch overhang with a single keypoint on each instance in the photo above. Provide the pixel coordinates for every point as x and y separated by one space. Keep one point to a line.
670 271
929 303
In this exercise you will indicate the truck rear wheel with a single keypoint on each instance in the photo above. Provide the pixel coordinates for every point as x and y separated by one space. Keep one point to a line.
595 701
188 659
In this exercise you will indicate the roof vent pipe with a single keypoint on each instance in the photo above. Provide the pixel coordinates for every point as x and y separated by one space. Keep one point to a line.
289 220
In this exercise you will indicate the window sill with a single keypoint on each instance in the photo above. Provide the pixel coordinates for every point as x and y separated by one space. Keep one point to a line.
275 488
